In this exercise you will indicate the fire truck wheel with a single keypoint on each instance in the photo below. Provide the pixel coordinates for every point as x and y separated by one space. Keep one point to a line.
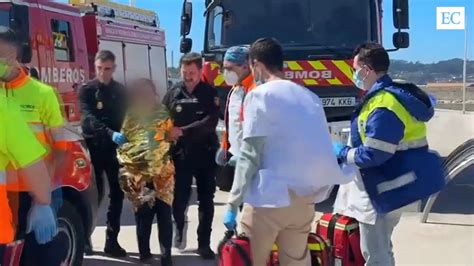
71 232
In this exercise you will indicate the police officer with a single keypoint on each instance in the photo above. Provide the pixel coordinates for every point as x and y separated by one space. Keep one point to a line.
194 107
102 103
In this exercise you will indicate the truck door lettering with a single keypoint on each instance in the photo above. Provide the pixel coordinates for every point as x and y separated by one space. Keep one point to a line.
315 74
62 75
69 75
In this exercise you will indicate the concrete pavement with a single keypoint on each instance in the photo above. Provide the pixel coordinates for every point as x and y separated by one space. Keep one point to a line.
447 239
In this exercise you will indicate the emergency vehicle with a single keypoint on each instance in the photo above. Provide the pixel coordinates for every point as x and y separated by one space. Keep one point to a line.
59 44
318 39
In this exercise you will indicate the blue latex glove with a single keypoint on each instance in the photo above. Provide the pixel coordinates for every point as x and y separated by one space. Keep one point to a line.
229 219
119 138
337 148
220 157
42 222
433 100
233 160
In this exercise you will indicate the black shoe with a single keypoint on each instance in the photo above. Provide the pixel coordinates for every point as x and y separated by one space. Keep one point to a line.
179 240
146 258
113 249
88 248
206 253
166 261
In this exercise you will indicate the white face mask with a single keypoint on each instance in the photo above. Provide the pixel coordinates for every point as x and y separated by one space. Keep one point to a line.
231 77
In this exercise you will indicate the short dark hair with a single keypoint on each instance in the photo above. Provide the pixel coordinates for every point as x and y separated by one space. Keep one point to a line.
105 55
9 36
269 52
191 58
373 55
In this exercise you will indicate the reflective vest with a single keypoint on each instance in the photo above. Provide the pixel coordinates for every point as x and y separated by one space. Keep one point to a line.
412 173
415 132
18 147
248 85
39 105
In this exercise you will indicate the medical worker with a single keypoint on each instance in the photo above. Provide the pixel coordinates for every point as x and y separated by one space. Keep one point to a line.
389 146
20 148
40 108
237 74
286 163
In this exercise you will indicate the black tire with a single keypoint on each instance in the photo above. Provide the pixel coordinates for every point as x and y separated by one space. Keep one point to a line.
71 234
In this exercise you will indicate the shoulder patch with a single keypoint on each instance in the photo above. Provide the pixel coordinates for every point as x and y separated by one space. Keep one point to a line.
217 101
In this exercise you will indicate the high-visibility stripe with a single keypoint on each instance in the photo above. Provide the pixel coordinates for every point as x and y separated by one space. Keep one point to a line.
380 145
414 144
310 82
3 177
345 227
293 65
317 65
398 182
37 128
314 246
334 81
311 246
351 156
219 80
65 134
344 68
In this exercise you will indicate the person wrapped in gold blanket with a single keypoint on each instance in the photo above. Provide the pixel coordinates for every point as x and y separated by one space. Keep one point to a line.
147 173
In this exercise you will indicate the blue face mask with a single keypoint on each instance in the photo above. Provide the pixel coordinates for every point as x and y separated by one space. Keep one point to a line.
357 80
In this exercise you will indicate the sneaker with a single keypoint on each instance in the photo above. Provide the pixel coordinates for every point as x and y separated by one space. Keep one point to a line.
113 249
88 251
179 240
206 253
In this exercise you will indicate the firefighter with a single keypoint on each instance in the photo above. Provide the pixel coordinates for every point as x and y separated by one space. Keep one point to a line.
237 74
19 148
103 106
390 149
39 105
194 107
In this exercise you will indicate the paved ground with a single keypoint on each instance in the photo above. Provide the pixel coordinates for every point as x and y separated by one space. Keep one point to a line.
448 238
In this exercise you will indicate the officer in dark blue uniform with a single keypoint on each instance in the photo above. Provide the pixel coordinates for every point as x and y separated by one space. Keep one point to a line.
194 107
103 106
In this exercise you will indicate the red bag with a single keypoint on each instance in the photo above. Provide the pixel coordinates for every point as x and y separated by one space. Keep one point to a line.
12 253
342 234
234 251
318 249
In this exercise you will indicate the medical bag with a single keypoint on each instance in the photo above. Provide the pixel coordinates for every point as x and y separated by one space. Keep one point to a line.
234 250
318 250
343 236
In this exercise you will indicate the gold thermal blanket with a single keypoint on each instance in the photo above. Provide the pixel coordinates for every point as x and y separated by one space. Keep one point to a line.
147 170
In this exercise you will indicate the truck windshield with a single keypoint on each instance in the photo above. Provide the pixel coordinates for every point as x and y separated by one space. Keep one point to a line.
295 23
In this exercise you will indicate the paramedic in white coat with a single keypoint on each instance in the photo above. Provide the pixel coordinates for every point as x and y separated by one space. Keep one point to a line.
286 163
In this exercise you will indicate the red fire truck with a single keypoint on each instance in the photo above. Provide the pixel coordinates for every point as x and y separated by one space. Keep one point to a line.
318 38
59 44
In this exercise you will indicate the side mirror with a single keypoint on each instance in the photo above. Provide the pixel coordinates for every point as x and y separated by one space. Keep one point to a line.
186 18
401 40
19 22
186 45
401 14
